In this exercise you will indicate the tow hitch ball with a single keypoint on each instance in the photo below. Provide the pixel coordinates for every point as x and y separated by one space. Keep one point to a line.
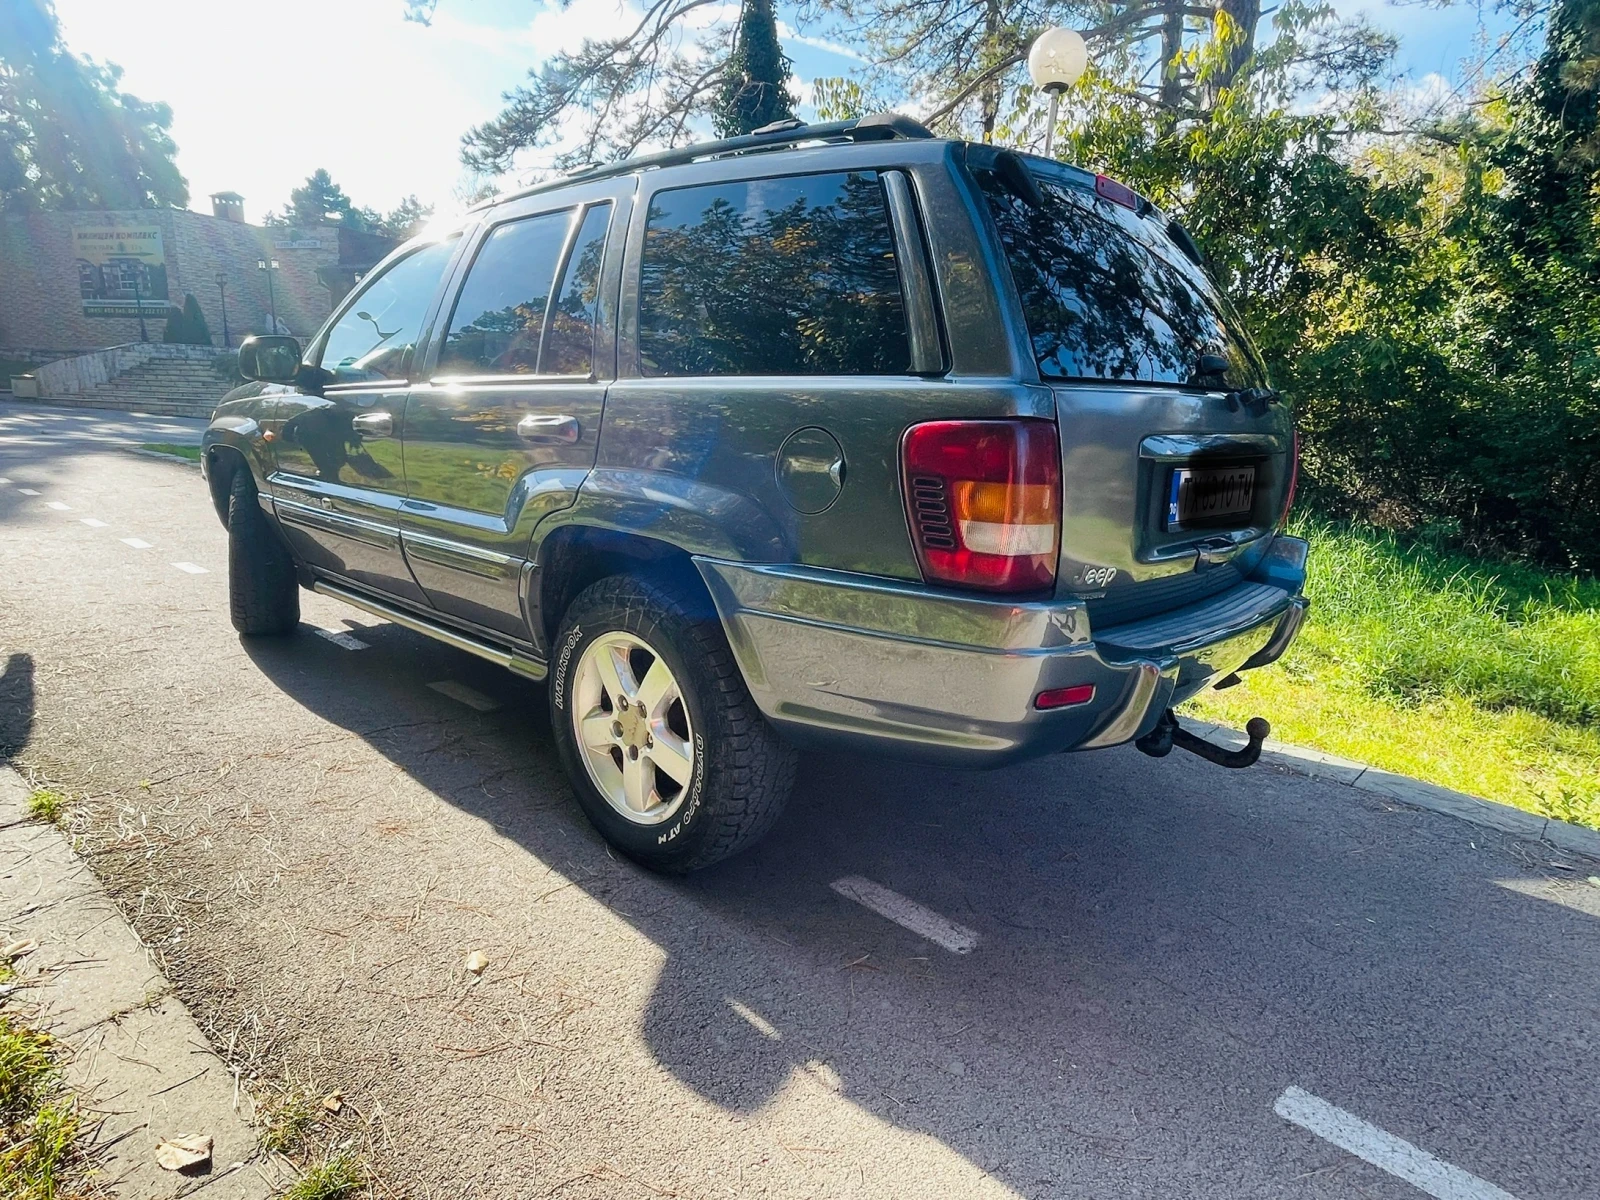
1158 743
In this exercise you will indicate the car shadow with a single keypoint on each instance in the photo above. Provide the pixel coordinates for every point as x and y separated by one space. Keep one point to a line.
1163 945
17 704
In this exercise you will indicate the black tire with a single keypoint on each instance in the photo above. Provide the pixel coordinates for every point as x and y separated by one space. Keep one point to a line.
263 593
743 771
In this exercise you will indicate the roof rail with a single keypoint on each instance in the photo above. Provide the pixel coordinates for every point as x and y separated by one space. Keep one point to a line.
873 128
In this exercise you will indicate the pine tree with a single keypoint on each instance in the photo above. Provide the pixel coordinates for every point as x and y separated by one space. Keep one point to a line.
755 89
198 332
187 326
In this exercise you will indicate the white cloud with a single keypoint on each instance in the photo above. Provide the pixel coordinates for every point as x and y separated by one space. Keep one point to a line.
787 33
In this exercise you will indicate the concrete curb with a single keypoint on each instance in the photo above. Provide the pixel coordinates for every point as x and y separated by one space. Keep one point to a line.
1414 793
139 1065
156 454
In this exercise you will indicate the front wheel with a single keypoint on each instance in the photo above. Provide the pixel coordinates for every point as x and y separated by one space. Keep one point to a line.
669 756
263 593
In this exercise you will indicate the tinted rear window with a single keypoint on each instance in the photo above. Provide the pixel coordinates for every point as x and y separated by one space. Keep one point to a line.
786 276
1107 295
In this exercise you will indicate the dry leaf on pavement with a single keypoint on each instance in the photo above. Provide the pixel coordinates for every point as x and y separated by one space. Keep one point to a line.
18 949
333 1101
184 1150
477 961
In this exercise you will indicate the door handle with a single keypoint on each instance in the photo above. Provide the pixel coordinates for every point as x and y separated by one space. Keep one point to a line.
373 425
542 428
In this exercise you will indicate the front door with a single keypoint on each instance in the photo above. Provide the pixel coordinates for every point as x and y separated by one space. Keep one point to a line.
339 479
508 425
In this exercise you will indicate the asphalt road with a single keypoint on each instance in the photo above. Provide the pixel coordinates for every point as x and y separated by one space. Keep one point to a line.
1165 955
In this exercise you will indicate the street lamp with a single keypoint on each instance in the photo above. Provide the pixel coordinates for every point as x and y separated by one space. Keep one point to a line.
1056 61
222 287
272 300
138 304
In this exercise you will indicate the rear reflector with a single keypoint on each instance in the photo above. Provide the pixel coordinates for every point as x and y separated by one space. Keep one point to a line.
1117 193
1065 697
984 502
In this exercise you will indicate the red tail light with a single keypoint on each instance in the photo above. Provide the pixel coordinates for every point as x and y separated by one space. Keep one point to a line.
984 500
1294 480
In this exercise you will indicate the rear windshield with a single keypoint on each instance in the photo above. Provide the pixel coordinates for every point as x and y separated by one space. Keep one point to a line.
1108 295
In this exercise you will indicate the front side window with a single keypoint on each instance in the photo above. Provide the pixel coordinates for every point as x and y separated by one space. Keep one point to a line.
788 276
375 337
1106 293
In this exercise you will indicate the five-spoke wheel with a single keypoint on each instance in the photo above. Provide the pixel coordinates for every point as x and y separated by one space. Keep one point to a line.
629 716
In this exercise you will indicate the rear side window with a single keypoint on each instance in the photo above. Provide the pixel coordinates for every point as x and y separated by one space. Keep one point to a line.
1106 293
504 321
790 276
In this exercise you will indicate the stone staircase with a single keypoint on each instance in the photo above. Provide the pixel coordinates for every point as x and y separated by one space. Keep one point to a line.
162 387
155 378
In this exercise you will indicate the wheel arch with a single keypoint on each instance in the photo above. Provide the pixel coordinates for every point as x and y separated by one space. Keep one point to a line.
573 557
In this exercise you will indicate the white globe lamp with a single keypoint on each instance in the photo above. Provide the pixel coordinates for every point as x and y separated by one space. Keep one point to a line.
1056 61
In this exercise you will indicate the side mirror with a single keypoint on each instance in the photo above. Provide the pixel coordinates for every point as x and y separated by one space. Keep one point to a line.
270 358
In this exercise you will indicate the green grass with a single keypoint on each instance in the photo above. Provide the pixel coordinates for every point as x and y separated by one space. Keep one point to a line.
287 1125
192 453
1478 676
335 1178
46 805
39 1124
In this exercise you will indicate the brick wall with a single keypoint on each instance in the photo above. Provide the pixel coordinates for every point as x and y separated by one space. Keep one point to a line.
41 306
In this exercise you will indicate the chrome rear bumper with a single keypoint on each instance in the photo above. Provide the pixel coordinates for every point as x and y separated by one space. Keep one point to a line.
835 658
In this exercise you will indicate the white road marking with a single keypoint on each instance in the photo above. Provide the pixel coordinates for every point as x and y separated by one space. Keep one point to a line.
92 522
340 638
471 697
57 505
189 568
28 491
1383 1150
136 543
924 922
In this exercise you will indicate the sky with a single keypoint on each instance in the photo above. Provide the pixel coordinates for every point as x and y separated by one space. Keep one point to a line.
263 94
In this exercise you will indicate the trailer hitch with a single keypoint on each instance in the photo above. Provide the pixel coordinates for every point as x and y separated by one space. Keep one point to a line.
1158 743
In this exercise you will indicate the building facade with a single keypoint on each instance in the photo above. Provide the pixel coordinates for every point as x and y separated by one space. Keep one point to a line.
71 282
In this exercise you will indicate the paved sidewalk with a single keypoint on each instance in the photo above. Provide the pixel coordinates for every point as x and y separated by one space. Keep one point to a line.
141 1068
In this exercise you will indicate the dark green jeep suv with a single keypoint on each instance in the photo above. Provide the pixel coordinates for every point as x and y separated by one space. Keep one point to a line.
831 435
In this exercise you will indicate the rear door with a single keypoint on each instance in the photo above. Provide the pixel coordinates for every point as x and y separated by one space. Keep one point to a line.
505 427
339 480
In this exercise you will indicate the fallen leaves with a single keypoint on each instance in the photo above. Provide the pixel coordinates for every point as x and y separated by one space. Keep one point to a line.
183 1151
333 1101
17 949
477 961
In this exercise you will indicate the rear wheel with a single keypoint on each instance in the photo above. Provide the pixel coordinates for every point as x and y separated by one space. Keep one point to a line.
669 756
263 593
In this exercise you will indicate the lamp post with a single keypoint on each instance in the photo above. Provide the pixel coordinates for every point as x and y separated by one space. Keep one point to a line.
1056 61
222 289
138 304
272 300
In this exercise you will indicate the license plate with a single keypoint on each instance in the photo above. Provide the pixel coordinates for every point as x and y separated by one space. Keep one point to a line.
1209 496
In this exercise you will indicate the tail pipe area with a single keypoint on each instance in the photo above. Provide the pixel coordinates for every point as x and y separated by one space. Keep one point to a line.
1158 743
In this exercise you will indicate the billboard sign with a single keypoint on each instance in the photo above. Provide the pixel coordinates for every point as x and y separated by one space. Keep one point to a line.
122 268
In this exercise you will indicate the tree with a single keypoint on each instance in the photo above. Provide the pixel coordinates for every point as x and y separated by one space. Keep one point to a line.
612 95
405 219
187 325
319 200
69 137
1168 60
755 85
